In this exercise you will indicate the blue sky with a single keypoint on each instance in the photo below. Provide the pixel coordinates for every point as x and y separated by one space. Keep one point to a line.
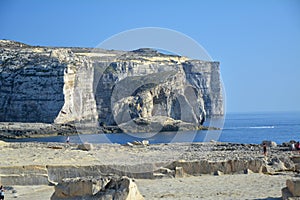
256 41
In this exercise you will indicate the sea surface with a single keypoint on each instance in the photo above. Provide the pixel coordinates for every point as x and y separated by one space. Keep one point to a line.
237 128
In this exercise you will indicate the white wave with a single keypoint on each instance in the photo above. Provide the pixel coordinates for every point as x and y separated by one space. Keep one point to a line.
250 127
262 127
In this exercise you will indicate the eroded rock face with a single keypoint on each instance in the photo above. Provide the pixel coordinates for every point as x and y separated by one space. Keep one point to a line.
79 187
63 85
31 85
99 188
120 189
40 84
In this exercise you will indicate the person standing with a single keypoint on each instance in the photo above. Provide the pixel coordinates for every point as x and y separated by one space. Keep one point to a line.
293 147
265 149
1 193
297 145
68 140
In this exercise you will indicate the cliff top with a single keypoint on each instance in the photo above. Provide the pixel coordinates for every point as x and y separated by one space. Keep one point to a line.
138 54
12 44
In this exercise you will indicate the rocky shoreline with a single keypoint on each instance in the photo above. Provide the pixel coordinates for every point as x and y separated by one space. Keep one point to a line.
17 130
52 163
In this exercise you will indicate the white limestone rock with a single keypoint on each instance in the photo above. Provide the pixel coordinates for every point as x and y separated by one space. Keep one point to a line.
122 189
94 86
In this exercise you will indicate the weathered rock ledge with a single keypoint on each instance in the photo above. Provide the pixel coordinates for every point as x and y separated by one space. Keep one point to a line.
43 163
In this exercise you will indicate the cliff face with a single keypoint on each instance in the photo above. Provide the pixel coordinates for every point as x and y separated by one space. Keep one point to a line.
31 85
62 85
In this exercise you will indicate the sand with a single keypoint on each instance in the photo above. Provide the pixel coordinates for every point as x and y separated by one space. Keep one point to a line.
239 186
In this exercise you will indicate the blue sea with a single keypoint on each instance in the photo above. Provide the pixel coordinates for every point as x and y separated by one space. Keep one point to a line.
237 128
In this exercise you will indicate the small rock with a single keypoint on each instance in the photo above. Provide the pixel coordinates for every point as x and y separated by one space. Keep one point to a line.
164 170
218 173
145 142
137 143
179 173
269 143
85 147
273 144
248 171
129 144
54 147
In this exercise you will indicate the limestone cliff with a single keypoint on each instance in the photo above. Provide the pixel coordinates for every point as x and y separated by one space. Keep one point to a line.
105 87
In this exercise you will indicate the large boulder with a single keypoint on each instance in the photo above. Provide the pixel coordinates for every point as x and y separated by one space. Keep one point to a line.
292 191
85 147
286 194
75 187
294 186
100 188
78 187
120 189
280 163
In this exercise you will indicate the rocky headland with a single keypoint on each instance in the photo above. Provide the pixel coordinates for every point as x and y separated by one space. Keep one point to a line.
88 90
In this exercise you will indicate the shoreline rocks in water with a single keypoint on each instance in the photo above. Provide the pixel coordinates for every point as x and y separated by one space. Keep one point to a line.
16 130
